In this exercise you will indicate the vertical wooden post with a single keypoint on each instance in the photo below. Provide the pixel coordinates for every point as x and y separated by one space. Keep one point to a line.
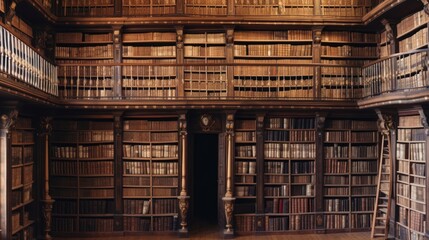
318 186
183 198
229 199
118 8
180 7
117 54
317 8
45 130
229 60
179 60
317 39
7 121
260 221
230 8
118 163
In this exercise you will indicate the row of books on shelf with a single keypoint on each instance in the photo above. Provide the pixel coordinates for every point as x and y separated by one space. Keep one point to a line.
335 151
158 80
277 205
337 136
137 224
130 125
149 51
245 136
242 8
245 151
96 224
289 150
85 206
150 151
22 175
83 193
22 154
151 136
347 50
22 137
336 166
21 196
277 93
349 37
149 36
86 93
146 206
273 35
290 135
87 136
350 124
204 38
204 51
79 37
193 7
290 123
417 40
82 125
84 151
245 167
104 51
272 50
417 80
83 168
407 134
154 168
276 167
146 192
75 73
411 22
412 151
364 167
344 10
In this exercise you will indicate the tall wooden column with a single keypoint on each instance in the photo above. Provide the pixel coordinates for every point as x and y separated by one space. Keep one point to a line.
45 130
118 163
117 55
318 186
260 200
229 60
7 121
183 197
180 82
317 71
229 199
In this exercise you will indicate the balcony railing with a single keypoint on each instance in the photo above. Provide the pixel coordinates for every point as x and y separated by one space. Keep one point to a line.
400 72
23 64
210 81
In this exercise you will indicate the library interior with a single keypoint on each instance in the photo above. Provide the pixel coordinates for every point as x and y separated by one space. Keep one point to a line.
159 119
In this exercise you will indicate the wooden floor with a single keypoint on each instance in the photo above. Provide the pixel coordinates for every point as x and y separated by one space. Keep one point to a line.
213 234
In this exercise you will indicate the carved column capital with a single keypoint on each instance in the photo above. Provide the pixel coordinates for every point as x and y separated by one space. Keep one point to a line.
385 123
45 126
317 35
179 37
229 37
183 126
11 12
229 124
8 120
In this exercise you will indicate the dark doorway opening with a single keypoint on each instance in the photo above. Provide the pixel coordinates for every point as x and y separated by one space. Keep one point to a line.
205 176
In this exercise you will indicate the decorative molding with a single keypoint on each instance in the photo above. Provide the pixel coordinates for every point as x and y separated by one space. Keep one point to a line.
8 120
45 126
317 35
229 37
207 122
385 123
47 217
179 37
230 124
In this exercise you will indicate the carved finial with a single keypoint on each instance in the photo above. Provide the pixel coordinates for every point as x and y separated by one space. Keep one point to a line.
230 123
317 35
11 12
8 120
45 127
229 37
182 124
179 38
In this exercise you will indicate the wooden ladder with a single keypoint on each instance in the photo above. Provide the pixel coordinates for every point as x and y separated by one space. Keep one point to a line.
380 222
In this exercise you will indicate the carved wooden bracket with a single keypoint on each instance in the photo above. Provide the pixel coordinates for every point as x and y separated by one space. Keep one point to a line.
183 124
229 37
179 37
229 124
45 126
317 35
8 120
385 122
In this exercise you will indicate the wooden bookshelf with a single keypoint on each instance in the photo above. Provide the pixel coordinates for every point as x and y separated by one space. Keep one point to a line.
212 7
140 81
346 48
411 177
345 8
273 47
350 173
82 8
23 204
77 80
148 7
413 32
150 174
290 174
245 174
24 30
274 8
205 81
82 176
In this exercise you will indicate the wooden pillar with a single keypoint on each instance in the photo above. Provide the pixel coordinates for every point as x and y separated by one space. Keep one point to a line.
180 82
183 197
229 60
7 121
229 199
230 6
118 8
260 200
317 39
180 7
117 55
318 186
317 8
118 163
45 130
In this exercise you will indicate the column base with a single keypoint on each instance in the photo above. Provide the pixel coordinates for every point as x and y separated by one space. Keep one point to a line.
228 234
183 233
